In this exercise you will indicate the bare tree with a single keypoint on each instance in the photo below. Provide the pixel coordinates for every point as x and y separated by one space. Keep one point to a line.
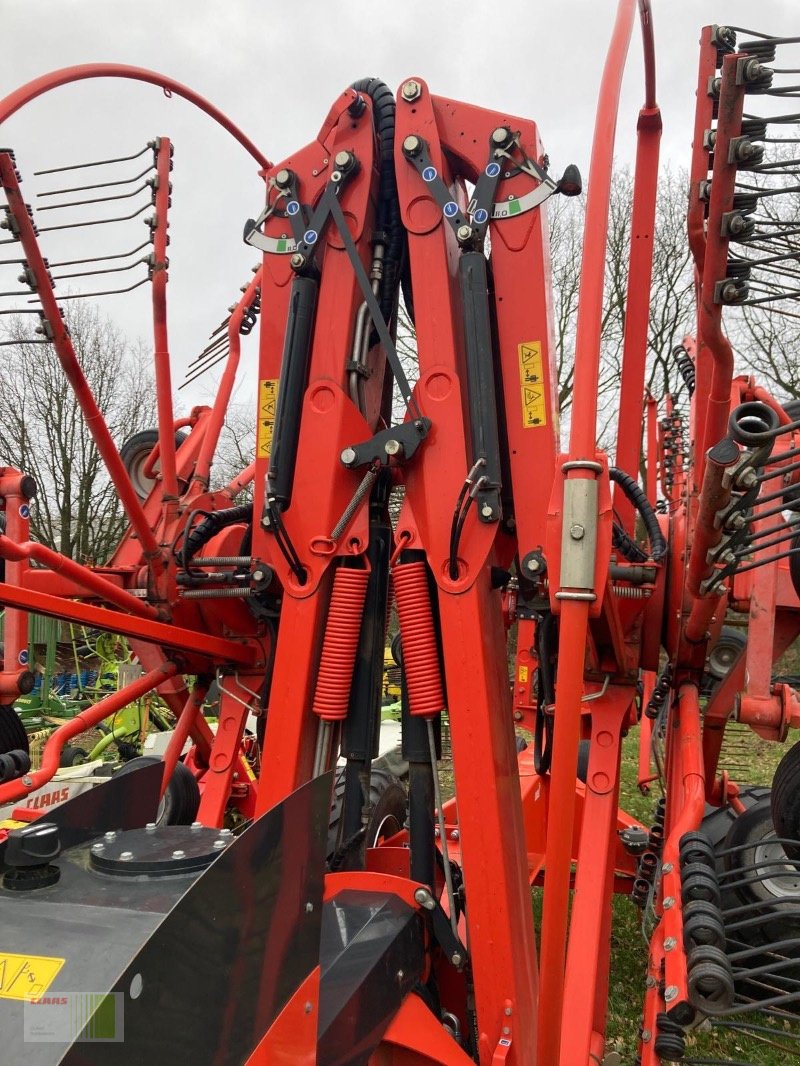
44 434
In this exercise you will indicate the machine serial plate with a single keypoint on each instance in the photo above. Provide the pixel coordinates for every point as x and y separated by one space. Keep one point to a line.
26 976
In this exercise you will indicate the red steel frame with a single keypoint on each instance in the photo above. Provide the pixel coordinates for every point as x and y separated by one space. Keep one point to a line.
511 827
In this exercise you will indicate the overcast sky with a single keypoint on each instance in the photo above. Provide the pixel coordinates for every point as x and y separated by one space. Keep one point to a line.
275 70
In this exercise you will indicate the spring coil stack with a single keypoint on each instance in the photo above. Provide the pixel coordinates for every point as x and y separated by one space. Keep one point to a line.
340 644
420 648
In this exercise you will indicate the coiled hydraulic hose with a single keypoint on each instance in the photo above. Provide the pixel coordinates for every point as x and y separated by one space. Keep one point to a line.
213 522
658 545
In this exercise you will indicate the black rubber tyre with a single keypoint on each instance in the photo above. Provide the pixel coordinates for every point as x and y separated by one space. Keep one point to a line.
717 821
767 877
73 756
135 453
725 652
181 801
389 803
12 732
791 498
785 804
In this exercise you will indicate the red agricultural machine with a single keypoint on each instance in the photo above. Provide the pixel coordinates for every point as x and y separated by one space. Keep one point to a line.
312 909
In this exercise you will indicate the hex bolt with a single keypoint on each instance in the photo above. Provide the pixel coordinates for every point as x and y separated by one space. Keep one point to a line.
126 856
400 975
669 902
27 781
412 145
218 845
225 833
98 847
670 992
297 261
348 456
454 834
309 907
533 565
577 531
412 90
506 1030
487 511
110 835
282 178
343 160
667 868
151 827
456 959
464 233
258 575
178 854
393 447
670 943
508 1012
308 1007
646 1036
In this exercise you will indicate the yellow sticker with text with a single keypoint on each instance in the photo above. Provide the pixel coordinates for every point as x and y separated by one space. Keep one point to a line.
531 380
523 674
267 400
26 976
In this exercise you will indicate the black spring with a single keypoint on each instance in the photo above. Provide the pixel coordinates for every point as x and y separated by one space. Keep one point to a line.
640 892
685 365
660 694
710 979
699 882
703 924
696 847
670 1043
655 839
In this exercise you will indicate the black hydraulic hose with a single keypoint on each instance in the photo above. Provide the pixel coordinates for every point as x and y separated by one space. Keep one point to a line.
211 525
388 221
634 493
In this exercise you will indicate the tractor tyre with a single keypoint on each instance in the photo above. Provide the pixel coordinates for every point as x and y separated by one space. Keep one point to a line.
72 756
12 731
767 878
181 800
134 454
786 800
388 800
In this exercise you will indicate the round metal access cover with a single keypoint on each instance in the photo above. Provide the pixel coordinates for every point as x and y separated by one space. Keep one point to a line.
158 851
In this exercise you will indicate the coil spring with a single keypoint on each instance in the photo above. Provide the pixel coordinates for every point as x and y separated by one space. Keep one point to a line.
685 365
660 693
339 647
670 1043
420 651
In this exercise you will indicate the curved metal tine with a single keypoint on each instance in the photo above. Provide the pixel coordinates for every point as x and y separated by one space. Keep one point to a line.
97 185
96 163
209 348
25 340
96 199
107 270
13 262
97 222
199 373
104 292
97 258
195 365
20 310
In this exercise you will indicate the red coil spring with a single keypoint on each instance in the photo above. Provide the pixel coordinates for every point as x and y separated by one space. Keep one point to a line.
332 694
420 651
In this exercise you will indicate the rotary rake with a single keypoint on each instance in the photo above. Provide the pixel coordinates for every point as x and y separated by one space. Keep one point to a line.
310 907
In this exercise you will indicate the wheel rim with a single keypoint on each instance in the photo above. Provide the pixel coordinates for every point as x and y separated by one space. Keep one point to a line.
779 876
387 827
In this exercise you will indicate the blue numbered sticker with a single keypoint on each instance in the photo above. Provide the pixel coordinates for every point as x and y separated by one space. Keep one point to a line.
23 657
292 207
493 169
310 236
481 215
25 511
429 173
451 208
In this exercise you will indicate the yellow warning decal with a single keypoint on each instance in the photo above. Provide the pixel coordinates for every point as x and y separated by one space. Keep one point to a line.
267 399
522 674
26 976
531 379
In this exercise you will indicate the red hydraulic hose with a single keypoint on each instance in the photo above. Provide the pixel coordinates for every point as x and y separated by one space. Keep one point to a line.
88 719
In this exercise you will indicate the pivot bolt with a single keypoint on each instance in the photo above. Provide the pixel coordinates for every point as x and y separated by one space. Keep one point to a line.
258 575
348 456
669 902
670 943
670 992
412 145
298 261
283 177
646 1036
533 565
456 959
425 899
412 90
393 447
464 233
343 160
501 136
577 531
487 511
